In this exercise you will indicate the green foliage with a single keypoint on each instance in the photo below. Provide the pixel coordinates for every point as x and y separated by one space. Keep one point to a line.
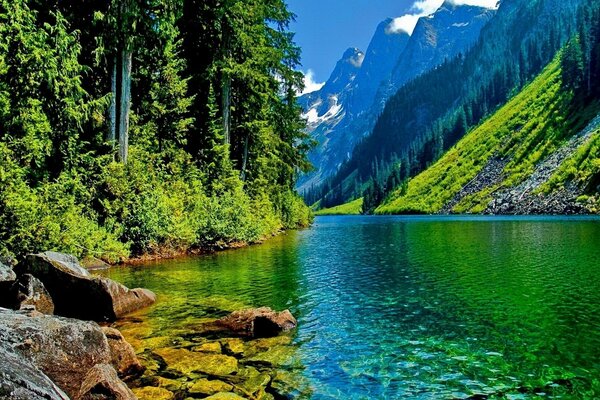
182 187
525 131
352 208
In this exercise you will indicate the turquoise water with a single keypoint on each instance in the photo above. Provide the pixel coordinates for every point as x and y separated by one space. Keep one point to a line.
412 307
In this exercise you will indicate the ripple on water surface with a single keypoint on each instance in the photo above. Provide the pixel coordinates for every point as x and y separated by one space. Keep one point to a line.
414 307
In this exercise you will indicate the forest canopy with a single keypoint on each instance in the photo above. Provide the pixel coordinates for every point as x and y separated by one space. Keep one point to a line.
132 127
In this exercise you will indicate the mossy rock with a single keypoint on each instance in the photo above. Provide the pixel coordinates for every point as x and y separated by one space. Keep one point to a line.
225 396
234 347
187 362
260 345
276 356
153 393
210 347
171 384
256 383
209 387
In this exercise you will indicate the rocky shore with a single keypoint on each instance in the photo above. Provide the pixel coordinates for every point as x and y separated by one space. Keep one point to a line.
50 339
58 341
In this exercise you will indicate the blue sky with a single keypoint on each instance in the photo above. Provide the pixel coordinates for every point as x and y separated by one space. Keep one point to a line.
326 28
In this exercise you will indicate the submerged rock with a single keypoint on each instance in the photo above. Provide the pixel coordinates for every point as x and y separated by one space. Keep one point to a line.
224 396
77 294
258 322
102 383
209 387
153 393
30 291
187 362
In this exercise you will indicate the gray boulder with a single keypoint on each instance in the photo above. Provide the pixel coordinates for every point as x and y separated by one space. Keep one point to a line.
28 291
6 273
78 294
64 350
20 380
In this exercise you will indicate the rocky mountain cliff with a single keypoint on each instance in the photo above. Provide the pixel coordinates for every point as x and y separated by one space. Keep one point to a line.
345 109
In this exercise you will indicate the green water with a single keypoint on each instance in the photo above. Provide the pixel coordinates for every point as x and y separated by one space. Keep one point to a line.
410 307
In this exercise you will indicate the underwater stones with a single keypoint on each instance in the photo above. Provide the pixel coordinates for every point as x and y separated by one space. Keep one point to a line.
122 354
187 362
234 347
210 347
170 384
102 383
77 294
225 396
258 322
209 387
276 356
153 393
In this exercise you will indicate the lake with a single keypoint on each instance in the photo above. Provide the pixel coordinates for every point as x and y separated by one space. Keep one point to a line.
409 307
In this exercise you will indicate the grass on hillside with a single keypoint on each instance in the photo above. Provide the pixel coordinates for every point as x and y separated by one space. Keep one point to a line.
526 130
352 208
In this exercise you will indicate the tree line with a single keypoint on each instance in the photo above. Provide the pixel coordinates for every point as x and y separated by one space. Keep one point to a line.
135 126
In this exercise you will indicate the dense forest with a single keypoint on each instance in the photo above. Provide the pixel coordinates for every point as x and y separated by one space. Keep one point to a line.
430 114
133 127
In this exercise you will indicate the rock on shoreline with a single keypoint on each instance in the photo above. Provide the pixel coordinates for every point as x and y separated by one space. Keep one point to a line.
78 294
59 358
58 352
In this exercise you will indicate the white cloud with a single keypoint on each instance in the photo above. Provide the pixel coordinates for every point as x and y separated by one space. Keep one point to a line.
421 8
310 85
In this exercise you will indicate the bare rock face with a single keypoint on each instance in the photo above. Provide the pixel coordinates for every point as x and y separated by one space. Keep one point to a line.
29 291
21 380
122 354
77 294
64 350
102 383
6 273
258 322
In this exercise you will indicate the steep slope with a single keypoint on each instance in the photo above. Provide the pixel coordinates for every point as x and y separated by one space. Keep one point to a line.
338 120
430 113
452 29
516 161
346 95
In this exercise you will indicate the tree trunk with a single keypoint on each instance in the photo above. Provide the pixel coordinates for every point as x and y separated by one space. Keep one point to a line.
244 159
226 109
125 105
112 111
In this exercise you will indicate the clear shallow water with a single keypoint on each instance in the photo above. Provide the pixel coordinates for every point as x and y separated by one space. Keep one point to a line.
411 307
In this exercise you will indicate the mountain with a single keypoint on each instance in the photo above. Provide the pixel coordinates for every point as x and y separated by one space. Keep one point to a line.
539 154
344 111
452 29
431 112
347 94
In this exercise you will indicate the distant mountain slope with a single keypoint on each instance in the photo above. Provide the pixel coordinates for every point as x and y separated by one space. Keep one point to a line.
347 94
516 162
344 111
432 112
452 29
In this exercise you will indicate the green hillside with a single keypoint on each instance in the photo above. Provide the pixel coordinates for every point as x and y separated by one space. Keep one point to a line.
505 150
351 208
